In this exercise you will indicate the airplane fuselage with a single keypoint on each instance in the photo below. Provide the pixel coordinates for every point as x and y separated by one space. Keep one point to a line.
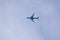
32 17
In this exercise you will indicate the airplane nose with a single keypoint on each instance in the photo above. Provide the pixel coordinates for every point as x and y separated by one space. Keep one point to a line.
27 17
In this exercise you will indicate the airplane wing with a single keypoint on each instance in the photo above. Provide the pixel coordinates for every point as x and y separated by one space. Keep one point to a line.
32 20
32 17
33 14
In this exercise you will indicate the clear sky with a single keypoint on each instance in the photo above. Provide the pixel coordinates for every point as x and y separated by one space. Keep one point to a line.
15 26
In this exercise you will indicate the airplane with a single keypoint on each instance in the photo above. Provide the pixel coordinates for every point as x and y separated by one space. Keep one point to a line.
32 17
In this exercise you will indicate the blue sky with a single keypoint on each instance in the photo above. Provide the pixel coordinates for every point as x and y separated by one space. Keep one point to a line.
15 26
